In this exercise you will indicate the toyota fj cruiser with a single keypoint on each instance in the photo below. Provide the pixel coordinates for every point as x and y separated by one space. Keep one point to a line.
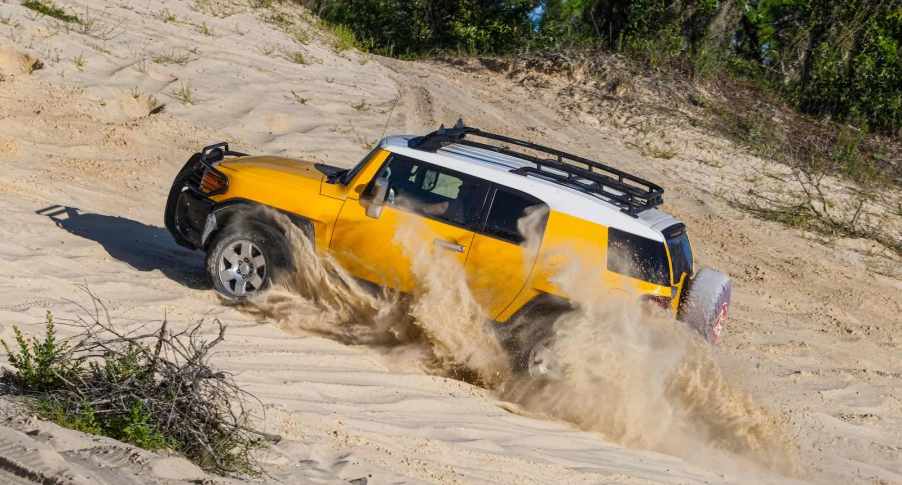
470 189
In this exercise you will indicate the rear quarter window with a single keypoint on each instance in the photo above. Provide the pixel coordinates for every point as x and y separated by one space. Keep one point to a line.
680 250
637 257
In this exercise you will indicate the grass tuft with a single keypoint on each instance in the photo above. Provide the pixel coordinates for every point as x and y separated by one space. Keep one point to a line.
50 9
184 93
298 98
345 39
167 17
172 57
361 106
8 20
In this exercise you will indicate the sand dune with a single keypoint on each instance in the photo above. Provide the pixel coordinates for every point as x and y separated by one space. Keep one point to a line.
88 155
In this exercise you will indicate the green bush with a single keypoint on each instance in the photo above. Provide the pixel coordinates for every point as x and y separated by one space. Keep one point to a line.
414 27
154 390
46 366
136 427
81 417
840 59
139 428
41 365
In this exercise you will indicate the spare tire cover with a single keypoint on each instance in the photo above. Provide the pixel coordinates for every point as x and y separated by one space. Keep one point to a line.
706 303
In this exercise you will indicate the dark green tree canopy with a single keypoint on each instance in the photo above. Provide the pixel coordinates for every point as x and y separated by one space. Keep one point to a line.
409 27
839 58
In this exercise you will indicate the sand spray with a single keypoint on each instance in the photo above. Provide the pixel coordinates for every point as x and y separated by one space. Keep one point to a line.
639 379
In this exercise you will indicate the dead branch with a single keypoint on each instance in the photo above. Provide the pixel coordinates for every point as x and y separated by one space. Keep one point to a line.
167 373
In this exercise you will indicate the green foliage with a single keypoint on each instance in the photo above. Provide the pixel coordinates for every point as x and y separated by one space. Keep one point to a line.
136 427
51 10
346 39
413 27
45 366
839 59
41 364
80 417
657 31
121 368
131 389
139 429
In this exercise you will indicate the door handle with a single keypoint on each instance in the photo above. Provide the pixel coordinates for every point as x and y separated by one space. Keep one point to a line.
449 245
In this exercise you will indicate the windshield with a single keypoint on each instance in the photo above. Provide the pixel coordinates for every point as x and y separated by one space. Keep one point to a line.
637 257
680 251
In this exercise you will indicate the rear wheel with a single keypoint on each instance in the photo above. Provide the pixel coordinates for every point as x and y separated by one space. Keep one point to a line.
706 303
541 360
532 338
243 260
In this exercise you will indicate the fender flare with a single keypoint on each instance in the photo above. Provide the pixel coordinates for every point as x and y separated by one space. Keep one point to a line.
222 213
543 301
541 304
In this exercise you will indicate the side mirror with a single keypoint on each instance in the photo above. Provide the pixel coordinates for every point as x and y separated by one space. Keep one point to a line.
380 190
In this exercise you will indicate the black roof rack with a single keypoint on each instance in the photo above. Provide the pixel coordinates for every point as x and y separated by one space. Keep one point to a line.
631 194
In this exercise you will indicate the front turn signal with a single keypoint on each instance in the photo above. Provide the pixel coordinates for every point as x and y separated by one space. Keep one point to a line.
213 182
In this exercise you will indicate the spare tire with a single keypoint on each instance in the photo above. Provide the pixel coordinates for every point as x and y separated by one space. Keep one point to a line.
706 303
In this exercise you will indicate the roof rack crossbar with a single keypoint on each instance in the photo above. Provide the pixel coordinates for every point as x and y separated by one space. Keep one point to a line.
626 203
571 171
631 194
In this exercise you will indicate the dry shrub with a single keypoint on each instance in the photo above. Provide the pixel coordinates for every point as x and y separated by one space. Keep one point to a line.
154 388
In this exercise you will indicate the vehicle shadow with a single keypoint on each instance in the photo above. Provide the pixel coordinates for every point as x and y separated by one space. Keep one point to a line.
143 247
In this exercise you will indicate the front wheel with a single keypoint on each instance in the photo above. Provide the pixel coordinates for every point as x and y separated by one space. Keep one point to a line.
243 260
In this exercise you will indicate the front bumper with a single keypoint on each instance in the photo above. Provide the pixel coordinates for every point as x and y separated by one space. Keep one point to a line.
187 207
188 217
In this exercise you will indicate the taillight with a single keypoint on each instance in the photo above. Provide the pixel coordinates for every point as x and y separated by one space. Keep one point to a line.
213 182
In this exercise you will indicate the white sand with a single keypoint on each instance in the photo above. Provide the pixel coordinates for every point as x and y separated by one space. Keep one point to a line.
815 327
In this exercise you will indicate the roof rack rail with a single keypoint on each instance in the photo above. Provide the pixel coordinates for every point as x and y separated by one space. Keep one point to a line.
631 194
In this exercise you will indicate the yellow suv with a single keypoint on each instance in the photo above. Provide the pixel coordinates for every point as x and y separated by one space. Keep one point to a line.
472 190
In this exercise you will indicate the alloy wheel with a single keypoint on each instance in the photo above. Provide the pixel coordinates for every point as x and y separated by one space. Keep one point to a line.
242 268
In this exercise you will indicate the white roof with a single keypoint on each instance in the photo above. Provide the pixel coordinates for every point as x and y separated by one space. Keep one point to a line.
496 167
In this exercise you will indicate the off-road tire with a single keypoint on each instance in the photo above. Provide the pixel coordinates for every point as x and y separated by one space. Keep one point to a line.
530 332
706 303
256 246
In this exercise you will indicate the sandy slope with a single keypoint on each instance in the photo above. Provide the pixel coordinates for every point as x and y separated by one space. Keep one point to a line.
815 330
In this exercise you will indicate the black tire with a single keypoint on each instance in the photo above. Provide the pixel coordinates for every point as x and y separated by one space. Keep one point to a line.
706 303
244 259
532 333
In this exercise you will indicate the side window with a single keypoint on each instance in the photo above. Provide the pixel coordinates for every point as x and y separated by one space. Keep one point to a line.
513 214
637 257
434 191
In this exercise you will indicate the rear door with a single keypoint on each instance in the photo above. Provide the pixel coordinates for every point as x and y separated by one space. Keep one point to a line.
427 208
504 251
